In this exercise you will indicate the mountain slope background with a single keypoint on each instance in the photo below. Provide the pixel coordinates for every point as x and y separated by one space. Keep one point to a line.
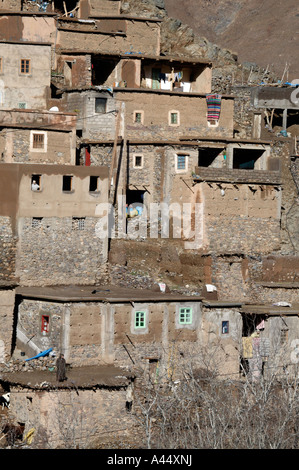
265 32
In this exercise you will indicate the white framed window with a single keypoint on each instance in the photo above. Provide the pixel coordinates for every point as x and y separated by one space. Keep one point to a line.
213 123
38 141
138 161
181 162
174 118
138 117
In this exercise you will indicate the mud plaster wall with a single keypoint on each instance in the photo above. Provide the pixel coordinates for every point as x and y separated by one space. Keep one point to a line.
222 350
103 7
72 419
162 339
156 107
138 38
7 303
31 88
77 71
280 269
86 328
14 5
27 28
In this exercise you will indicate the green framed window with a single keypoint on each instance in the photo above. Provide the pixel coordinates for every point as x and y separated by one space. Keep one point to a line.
185 315
140 317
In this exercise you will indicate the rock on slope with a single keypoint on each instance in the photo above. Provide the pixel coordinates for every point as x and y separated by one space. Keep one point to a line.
265 32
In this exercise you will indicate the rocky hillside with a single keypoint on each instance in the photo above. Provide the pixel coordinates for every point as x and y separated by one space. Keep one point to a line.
266 32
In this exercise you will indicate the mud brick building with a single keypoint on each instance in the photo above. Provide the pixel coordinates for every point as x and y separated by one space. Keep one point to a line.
94 112
37 136
25 74
63 208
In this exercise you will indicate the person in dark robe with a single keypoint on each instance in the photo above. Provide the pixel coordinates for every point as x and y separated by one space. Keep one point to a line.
60 368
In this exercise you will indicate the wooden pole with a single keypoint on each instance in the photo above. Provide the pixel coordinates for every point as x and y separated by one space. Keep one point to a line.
114 153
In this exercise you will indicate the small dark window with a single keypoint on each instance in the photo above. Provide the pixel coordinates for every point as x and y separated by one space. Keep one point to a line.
67 183
138 161
100 105
94 183
36 222
283 336
35 182
45 324
138 117
225 327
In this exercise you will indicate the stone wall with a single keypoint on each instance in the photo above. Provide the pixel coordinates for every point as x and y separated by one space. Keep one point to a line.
71 419
7 305
55 251
8 242
30 323
94 125
242 235
16 147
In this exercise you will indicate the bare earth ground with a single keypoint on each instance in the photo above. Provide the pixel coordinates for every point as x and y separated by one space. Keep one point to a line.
266 32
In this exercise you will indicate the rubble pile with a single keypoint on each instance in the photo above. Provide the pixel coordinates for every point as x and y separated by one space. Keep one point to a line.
19 365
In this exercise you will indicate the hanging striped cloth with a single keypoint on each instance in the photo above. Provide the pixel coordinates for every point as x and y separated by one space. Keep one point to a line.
214 106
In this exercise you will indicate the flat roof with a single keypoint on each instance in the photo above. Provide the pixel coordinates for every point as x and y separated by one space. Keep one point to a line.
85 377
26 43
233 140
271 310
111 17
140 55
103 293
27 13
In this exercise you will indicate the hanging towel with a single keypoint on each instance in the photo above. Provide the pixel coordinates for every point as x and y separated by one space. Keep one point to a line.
247 347
214 106
261 325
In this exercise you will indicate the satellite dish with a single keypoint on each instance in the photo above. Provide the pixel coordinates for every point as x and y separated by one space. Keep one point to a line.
54 108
